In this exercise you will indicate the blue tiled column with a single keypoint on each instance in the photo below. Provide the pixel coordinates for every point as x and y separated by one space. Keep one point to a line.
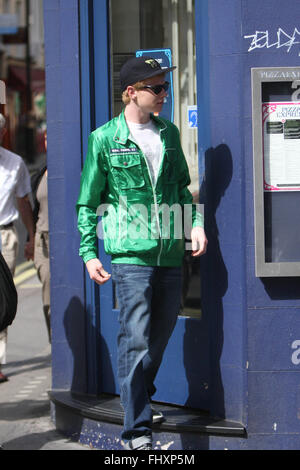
64 168
224 282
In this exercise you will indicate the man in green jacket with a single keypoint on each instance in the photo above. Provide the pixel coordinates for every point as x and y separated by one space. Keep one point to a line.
136 177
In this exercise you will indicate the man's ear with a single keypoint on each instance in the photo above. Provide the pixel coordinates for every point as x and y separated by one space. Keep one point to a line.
131 91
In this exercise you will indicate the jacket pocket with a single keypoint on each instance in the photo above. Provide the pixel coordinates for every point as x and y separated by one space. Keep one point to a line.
171 175
127 171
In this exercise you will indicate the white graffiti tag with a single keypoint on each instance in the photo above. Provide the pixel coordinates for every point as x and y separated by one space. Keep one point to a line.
261 39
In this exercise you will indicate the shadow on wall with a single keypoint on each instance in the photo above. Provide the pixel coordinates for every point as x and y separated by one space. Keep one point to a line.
79 326
282 288
74 324
79 329
214 284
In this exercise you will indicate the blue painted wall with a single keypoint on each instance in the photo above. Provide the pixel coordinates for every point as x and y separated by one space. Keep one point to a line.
64 167
272 304
258 319
224 281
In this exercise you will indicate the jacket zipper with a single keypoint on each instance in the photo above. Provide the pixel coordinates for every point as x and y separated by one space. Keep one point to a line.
156 211
154 197
154 193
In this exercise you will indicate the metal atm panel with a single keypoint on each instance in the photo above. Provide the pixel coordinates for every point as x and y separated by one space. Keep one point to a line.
276 158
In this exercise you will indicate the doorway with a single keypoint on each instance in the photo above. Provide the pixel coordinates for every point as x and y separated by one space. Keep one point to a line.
183 378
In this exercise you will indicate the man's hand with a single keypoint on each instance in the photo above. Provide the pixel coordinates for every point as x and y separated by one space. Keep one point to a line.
29 250
25 210
97 272
199 241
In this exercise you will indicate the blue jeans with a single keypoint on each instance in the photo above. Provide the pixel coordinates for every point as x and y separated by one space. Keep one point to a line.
149 301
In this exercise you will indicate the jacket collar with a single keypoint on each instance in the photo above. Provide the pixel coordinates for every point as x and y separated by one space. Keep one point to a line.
122 133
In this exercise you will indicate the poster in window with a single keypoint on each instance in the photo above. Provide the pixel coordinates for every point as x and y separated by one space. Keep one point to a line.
281 146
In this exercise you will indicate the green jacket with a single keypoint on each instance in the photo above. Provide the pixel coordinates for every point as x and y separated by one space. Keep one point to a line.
141 224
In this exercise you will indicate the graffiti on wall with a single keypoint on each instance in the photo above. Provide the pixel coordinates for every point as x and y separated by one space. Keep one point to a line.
263 39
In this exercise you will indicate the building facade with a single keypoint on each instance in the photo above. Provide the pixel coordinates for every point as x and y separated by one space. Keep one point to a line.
231 372
22 70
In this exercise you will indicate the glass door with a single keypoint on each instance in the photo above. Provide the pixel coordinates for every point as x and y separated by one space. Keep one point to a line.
147 25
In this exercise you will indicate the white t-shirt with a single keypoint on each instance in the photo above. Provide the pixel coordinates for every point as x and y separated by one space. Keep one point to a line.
14 182
147 137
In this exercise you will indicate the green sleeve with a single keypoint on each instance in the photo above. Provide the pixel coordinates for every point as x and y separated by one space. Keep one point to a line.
92 189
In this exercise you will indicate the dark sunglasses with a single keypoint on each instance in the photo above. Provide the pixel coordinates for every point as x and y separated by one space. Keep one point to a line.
157 88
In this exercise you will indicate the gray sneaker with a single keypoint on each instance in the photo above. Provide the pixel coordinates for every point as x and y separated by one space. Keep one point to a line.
145 447
157 416
140 443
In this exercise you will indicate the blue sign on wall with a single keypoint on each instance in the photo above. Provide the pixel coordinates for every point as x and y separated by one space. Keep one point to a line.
164 57
8 24
193 117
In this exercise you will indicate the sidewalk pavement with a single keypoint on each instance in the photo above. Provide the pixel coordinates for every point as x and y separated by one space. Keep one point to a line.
25 422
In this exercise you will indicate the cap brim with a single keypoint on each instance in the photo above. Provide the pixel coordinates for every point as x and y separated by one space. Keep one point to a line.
168 69
159 72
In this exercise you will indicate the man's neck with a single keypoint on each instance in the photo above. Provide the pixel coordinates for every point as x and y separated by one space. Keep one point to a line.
135 114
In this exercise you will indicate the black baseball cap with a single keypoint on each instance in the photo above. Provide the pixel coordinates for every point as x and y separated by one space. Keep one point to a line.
137 69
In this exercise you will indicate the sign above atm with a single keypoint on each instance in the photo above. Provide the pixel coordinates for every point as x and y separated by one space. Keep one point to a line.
280 74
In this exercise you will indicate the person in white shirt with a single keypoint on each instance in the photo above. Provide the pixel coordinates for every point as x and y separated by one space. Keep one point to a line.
15 188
